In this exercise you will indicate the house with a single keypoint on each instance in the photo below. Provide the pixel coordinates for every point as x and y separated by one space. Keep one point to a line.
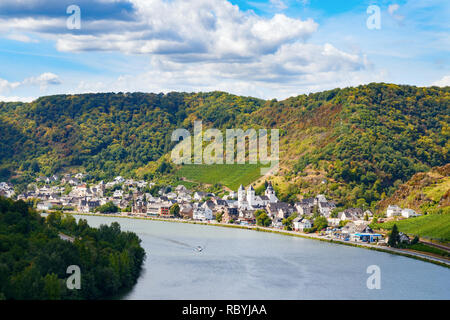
118 194
119 180
326 207
351 214
403 238
347 230
180 188
408 213
301 224
247 215
171 195
74 181
44 205
186 211
87 205
302 209
280 210
230 214
202 213
139 207
305 206
320 198
393 211
199 195
210 204
365 234
153 208
164 211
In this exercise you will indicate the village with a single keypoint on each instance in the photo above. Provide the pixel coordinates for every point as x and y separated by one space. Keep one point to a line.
131 198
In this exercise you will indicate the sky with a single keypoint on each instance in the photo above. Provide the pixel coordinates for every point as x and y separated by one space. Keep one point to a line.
267 49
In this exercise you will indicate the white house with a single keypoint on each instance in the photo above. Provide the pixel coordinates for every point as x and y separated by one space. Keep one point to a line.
393 211
301 224
408 213
202 213
44 205
171 195
119 179
118 194
325 208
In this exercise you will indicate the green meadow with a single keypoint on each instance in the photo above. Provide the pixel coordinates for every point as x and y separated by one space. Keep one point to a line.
431 226
229 175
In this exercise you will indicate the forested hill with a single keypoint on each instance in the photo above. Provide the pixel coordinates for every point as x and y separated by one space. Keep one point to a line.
365 140
34 257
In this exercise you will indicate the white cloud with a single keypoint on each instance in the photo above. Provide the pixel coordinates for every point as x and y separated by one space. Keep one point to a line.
279 4
202 29
43 81
5 85
202 45
16 99
20 37
444 82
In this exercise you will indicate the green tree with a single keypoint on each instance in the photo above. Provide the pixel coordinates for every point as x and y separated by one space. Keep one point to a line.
108 207
288 221
175 210
52 287
394 237
320 223
262 219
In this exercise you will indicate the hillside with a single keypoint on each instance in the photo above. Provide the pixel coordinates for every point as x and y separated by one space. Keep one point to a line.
431 226
35 254
365 141
425 192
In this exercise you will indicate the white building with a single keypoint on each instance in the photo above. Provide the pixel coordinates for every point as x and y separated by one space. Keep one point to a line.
249 200
393 211
44 205
270 193
301 224
202 213
119 179
408 213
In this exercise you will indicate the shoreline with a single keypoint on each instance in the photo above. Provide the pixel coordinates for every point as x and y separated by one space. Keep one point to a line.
409 254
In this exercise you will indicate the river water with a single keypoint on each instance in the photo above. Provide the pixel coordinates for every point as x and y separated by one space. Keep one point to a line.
244 264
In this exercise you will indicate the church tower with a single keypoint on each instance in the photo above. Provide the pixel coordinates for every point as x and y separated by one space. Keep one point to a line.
241 195
251 196
270 193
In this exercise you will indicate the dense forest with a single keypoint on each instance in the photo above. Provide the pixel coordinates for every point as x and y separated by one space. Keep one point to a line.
365 140
34 258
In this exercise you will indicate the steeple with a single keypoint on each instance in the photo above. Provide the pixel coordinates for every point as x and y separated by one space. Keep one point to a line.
241 194
270 193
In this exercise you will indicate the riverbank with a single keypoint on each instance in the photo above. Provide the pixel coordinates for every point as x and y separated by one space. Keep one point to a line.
402 252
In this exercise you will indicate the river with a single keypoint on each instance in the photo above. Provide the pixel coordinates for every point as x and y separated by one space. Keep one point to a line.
243 264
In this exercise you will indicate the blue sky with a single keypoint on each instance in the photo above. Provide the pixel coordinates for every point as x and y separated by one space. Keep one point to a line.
267 49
